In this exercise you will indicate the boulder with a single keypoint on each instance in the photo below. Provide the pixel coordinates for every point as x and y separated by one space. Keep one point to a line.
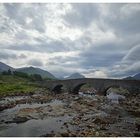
20 119
135 113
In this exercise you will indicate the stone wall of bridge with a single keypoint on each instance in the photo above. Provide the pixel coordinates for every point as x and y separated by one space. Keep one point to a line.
101 85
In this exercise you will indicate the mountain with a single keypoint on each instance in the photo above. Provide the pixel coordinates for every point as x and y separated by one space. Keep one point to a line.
34 70
60 78
4 67
128 78
137 76
75 76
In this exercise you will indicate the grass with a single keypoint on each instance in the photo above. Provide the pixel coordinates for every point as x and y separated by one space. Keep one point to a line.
10 85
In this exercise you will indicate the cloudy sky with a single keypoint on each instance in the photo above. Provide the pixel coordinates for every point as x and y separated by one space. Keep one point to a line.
97 40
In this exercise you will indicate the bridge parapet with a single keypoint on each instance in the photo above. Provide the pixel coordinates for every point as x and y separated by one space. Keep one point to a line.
101 85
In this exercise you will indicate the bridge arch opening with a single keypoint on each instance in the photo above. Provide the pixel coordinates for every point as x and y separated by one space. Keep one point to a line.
84 88
116 89
76 89
57 88
109 89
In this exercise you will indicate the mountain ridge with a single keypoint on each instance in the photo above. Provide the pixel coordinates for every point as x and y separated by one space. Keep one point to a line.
29 70
5 67
46 74
34 70
75 76
135 77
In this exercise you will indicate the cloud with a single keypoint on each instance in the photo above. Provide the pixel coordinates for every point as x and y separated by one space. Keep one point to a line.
5 55
133 55
134 68
26 15
82 15
35 62
97 40
97 74
121 18
22 56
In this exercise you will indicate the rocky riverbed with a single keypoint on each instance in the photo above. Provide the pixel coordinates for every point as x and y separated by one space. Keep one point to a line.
63 115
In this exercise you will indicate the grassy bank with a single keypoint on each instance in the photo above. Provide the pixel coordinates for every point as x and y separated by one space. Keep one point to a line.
11 84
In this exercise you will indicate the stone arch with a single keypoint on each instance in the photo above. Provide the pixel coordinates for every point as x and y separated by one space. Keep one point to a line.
76 88
110 86
57 88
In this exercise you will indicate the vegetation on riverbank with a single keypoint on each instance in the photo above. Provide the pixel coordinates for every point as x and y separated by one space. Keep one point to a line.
12 84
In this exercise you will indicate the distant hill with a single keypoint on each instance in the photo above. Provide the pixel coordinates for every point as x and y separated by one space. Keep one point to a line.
135 77
75 76
34 70
61 78
4 67
128 78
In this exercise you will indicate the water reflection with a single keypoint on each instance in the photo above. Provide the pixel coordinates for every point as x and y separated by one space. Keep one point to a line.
37 127
31 127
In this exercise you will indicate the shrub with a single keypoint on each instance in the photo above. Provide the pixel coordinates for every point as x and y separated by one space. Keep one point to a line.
21 74
36 77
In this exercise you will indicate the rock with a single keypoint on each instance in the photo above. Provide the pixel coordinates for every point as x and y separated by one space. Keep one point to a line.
2 121
135 113
48 135
50 110
85 119
29 113
7 122
90 126
103 127
7 106
97 134
20 119
2 108
66 124
65 134
76 98
137 134
100 120
138 125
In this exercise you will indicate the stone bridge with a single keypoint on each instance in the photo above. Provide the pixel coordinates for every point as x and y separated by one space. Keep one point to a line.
100 85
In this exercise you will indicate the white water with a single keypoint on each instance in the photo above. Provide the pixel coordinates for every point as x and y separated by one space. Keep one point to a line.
114 97
86 95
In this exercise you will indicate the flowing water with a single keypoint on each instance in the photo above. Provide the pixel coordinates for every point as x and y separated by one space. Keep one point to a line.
114 97
82 94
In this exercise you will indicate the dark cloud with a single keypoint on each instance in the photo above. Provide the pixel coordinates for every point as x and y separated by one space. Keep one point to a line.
22 12
133 55
99 60
82 14
42 46
134 68
5 55
63 59
130 63
121 18
104 54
